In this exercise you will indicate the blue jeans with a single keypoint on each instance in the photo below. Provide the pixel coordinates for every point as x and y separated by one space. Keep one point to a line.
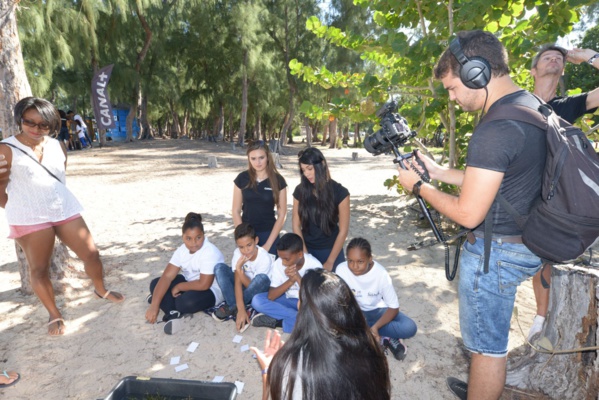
487 300
322 255
281 308
226 280
400 327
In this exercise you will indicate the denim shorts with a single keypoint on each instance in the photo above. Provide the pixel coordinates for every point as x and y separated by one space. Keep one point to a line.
487 300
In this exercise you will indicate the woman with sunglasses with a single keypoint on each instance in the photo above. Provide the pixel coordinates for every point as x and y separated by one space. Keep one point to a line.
320 210
39 207
256 193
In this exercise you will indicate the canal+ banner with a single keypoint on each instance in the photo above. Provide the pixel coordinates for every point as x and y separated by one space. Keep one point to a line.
102 106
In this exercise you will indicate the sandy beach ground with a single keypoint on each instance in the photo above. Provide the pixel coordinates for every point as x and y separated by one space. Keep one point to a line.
135 197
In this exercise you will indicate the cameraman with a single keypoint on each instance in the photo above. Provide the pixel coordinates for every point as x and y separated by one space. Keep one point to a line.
505 156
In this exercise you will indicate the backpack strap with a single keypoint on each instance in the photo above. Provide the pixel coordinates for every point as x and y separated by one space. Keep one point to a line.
36 161
517 112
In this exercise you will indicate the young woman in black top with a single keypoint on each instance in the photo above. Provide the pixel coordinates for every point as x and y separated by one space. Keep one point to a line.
256 193
320 210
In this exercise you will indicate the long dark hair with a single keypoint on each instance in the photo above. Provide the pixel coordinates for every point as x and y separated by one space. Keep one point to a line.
316 201
271 169
340 358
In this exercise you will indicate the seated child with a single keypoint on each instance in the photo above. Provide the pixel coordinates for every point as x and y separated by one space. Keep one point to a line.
280 303
248 276
194 288
371 284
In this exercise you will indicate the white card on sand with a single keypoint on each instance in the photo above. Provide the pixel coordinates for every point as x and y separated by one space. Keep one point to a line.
245 347
237 339
192 347
240 386
181 367
218 379
175 360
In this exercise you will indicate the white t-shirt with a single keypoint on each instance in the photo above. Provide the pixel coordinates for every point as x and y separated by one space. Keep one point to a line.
279 277
83 126
201 262
261 265
372 290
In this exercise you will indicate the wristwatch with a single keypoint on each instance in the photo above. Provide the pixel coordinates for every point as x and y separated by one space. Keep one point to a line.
416 188
592 59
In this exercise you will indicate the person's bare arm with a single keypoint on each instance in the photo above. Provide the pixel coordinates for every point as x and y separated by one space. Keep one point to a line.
5 163
296 222
281 216
343 231
170 272
479 188
579 56
237 204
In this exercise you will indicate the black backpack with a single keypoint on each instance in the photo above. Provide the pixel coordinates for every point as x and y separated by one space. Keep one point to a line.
565 220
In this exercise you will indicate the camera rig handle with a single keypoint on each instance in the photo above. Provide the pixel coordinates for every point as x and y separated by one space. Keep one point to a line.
399 158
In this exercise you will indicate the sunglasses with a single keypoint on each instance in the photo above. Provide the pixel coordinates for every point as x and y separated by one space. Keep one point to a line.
42 126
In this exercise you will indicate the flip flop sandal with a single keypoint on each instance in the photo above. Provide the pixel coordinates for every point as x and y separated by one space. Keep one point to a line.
5 385
57 321
105 297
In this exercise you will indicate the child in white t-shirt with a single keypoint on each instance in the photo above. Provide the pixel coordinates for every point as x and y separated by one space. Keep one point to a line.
187 284
248 275
278 307
372 286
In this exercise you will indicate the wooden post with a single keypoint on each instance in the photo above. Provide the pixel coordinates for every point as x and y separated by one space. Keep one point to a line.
354 156
212 162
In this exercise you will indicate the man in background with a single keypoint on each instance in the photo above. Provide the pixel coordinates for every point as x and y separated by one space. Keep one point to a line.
547 68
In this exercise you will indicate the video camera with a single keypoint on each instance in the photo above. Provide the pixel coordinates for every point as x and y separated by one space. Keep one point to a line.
394 131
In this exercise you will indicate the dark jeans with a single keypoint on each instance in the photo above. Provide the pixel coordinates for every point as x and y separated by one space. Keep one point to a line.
188 302
226 280
263 238
323 254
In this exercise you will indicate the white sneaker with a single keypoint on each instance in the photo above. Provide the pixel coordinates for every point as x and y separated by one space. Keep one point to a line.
537 327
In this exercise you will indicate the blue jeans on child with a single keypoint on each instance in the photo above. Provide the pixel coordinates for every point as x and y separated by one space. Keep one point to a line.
400 327
226 280
487 300
281 308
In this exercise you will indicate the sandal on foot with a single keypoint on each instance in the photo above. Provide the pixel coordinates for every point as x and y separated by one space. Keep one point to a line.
114 295
58 322
5 385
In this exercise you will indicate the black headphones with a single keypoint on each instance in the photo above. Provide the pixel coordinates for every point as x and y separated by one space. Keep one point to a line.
475 72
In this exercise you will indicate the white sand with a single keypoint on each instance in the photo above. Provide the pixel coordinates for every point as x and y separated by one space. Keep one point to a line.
136 196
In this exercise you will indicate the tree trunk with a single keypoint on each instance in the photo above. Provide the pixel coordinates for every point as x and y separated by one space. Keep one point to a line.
333 133
346 134
570 324
13 80
308 132
59 271
325 133
146 129
244 100
357 137
129 121
13 87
